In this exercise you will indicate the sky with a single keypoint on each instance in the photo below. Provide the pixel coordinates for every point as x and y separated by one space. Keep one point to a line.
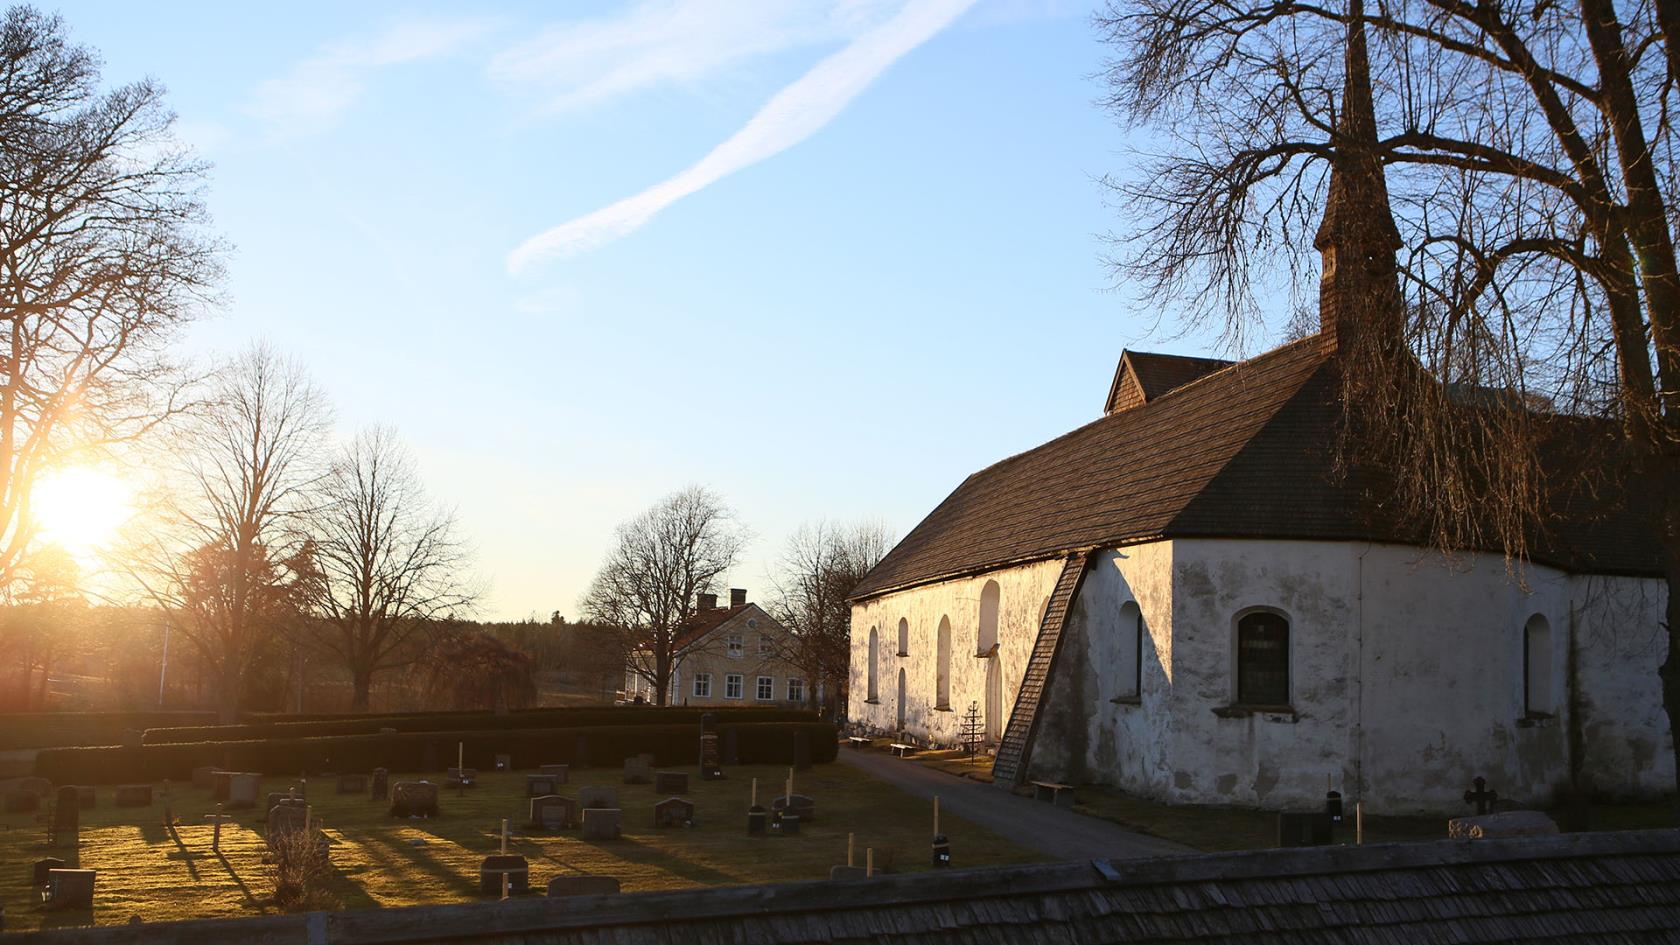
825 258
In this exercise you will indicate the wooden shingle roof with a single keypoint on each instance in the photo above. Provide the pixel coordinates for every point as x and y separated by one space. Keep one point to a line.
1142 376
1245 451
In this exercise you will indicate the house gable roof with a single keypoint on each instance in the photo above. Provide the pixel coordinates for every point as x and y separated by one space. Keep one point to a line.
707 622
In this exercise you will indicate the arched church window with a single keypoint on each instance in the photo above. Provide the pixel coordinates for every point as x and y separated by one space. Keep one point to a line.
987 637
1130 665
1263 659
874 664
942 683
903 637
1537 667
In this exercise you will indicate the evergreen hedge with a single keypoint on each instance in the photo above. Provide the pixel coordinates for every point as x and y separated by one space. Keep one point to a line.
604 745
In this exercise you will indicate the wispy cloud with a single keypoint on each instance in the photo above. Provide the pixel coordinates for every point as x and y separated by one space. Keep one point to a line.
313 95
792 115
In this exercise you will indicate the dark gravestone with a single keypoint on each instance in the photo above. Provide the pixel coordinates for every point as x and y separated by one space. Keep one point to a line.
597 797
414 799
134 795
601 823
802 750
554 812
42 868
638 770
204 777
561 773
731 747
274 800
541 785
429 757
1483 798
67 816
497 865
710 767
18 802
561 886
671 782
222 782
85 796
805 808
673 812
757 817
1304 830
70 889
285 819
352 783
379 787
789 824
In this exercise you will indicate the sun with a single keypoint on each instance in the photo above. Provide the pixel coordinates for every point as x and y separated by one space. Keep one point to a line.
80 508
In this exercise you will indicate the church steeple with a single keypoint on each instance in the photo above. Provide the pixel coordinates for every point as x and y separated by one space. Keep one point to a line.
1358 291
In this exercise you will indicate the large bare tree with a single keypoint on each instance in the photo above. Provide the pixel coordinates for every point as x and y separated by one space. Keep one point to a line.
820 565
102 255
230 562
660 562
1529 151
389 563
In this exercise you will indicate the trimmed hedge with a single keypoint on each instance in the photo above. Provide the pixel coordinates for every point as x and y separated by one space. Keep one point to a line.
606 745
65 729
469 721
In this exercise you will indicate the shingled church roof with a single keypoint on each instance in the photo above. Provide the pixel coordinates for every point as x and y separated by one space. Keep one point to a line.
1246 451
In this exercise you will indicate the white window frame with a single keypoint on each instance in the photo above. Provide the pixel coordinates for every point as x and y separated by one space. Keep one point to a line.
702 685
766 690
795 689
733 683
766 646
737 646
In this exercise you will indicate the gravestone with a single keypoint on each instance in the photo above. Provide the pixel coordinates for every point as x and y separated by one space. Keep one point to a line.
638 770
561 773
597 797
1511 823
539 785
67 817
803 807
601 823
429 757
554 812
673 812
731 747
70 889
380 787
204 777
85 796
40 787
352 783
462 777
504 762
802 750
223 785
1480 796
497 865
561 886
134 795
274 799
757 817
243 788
1313 829
43 868
286 818
18 802
671 782
414 799
788 824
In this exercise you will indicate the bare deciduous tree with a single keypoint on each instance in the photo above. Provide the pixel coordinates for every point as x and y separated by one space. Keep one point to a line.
1529 151
230 562
388 562
820 565
660 562
102 256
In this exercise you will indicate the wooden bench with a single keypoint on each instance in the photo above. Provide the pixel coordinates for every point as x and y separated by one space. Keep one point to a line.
1055 792
858 741
902 750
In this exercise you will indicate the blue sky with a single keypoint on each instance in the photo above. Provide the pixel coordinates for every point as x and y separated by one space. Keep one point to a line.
887 274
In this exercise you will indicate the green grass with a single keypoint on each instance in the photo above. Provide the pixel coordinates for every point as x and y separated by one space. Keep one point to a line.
158 874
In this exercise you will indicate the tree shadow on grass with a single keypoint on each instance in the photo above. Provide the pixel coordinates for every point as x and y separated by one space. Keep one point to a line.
644 854
401 850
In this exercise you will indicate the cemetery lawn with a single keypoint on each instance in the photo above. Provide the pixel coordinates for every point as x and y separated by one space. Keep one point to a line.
159 875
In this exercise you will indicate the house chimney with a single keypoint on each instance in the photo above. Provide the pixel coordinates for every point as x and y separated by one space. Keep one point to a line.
737 596
707 602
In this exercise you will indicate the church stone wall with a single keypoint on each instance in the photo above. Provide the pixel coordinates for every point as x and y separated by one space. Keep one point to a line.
1625 744
1023 592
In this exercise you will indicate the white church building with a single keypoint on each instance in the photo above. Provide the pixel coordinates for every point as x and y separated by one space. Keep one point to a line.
1181 600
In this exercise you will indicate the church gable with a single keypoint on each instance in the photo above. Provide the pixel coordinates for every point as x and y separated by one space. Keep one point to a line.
1141 377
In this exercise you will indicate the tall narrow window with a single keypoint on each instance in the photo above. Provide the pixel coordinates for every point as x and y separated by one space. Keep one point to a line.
874 662
796 689
732 686
766 688
1263 659
1130 664
702 685
987 637
942 647
903 637
1537 667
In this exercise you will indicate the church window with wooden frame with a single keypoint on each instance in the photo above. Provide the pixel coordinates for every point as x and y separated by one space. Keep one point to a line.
1263 659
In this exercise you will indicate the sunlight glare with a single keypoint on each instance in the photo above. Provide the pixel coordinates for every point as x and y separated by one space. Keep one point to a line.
80 508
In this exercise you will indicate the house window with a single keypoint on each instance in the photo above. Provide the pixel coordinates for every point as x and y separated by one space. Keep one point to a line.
737 648
1537 667
702 685
903 637
1130 664
766 646
766 688
1263 659
987 637
732 686
874 658
796 689
942 678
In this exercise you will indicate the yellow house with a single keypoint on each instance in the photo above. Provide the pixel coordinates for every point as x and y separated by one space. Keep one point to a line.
736 655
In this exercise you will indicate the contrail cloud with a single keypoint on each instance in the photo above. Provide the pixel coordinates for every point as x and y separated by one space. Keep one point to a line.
792 115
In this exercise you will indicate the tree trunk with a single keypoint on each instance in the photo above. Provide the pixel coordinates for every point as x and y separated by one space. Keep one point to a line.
362 682
227 694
